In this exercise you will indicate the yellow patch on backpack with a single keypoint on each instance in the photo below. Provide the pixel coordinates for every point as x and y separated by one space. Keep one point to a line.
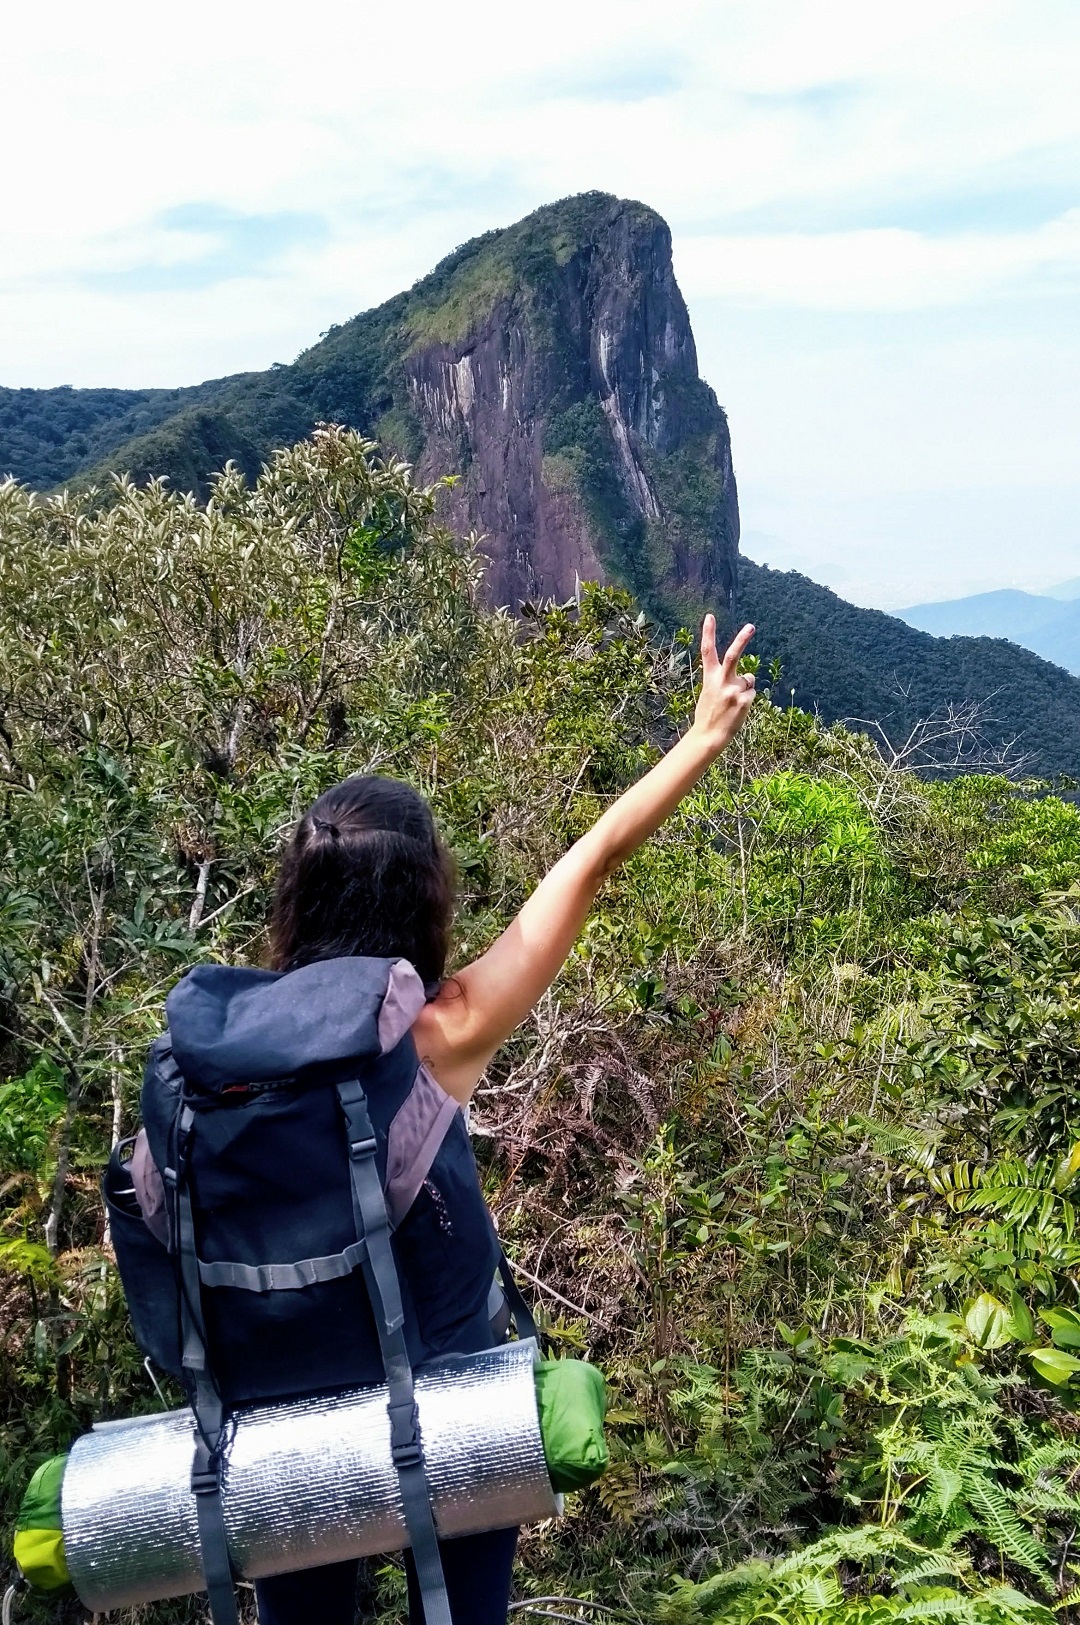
40 1556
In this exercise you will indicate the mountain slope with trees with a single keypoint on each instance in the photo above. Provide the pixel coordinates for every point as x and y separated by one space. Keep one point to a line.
550 365
862 665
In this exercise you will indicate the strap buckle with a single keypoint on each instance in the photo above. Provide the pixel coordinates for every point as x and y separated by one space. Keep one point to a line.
206 1480
406 1449
363 1148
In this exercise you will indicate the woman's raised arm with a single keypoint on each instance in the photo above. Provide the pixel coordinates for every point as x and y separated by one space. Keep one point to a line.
478 1009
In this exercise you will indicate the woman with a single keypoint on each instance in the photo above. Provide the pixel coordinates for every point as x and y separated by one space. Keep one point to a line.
366 875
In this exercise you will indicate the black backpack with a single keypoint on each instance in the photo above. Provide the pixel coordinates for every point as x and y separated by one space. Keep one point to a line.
301 1212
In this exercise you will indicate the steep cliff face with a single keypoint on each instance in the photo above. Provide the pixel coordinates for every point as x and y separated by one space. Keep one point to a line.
574 410
482 415
551 365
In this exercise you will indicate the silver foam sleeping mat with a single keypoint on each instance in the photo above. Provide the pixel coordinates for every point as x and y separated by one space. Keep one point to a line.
307 1482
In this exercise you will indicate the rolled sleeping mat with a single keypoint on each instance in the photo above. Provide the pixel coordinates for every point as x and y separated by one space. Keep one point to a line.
306 1482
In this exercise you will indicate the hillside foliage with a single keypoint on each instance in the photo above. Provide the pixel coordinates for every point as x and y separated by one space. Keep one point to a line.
860 664
791 1147
47 434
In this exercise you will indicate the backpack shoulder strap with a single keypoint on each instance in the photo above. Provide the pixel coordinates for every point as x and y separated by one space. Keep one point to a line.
384 1290
524 1320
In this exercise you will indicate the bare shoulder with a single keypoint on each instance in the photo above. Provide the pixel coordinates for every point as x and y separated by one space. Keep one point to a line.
440 1033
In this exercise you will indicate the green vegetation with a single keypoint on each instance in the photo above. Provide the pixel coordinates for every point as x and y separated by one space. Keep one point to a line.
449 311
48 434
579 443
792 1149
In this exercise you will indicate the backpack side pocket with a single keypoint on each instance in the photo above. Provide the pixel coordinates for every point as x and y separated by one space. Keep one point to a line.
146 1268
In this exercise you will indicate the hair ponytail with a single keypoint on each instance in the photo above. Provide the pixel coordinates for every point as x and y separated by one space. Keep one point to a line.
365 873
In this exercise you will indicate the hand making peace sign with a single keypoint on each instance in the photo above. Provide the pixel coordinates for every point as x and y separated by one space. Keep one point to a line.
726 693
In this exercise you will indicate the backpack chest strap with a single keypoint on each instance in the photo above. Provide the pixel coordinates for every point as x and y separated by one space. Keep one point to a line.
284 1277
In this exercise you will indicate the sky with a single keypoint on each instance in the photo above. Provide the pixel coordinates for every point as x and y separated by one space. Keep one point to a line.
875 214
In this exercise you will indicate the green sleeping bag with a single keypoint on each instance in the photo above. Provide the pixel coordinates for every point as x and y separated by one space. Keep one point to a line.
39 1534
572 1400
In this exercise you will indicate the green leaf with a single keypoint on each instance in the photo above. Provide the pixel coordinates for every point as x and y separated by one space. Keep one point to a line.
1054 1365
988 1322
1021 1319
27 1258
1064 1326
1067 1169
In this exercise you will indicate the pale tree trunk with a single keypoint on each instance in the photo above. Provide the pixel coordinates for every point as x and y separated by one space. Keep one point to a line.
117 1081
63 1157
117 1098
198 903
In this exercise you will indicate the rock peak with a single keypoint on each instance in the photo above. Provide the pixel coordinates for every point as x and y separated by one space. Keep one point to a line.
550 364
568 395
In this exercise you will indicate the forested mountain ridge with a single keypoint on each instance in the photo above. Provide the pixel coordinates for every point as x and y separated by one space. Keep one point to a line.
550 365
863 666
48 436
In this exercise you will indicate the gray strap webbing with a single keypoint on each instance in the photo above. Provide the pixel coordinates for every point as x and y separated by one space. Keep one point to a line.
213 1542
524 1324
284 1277
384 1290
205 1401
498 1306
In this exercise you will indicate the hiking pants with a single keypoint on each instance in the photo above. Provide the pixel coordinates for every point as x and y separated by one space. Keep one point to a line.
477 1570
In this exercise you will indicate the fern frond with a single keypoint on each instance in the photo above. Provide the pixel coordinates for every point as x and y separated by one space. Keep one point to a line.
932 1567
916 1147
743 1578
1056 1453
1015 1606
964 1610
1052 1500
1004 1529
820 1591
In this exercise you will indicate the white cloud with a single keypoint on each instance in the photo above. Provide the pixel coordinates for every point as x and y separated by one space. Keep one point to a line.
879 269
777 101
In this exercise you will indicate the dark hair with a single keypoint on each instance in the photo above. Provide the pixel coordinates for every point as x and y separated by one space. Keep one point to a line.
365 873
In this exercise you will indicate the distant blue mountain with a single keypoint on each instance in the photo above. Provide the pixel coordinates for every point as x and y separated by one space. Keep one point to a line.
1065 589
1048 626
